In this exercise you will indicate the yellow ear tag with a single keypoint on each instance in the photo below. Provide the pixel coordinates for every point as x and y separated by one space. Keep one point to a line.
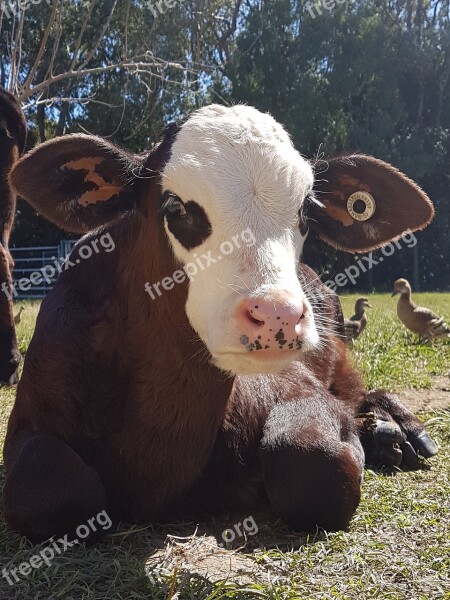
369 203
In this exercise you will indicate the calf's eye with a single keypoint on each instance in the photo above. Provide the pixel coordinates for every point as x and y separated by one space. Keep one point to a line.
187 221
173 206
303 214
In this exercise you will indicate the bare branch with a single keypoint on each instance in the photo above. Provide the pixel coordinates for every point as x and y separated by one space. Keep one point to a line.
31 75
99 39
56 41
132 65
12 56
1 20
126 27
54 100
15 66
81 35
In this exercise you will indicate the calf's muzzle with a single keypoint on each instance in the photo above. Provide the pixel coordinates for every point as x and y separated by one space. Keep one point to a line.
271 323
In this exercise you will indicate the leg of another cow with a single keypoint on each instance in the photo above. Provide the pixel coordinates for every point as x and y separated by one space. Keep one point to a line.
313 462
49 490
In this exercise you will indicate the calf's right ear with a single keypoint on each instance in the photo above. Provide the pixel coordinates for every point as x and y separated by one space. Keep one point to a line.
79 182
367 203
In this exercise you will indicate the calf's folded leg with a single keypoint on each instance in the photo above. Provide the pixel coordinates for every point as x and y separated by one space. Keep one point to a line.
312 463
49 490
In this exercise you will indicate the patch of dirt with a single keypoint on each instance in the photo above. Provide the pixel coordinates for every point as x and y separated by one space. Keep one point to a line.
436 398
204 554
204 557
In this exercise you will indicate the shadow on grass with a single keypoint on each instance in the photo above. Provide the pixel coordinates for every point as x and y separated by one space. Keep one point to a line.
154 561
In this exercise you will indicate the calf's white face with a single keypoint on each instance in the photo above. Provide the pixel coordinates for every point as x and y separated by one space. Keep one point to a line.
234 186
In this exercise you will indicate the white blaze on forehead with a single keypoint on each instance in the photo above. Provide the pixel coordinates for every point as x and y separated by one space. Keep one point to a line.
241 167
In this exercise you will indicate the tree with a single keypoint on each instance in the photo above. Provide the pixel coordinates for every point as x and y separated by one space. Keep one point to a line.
117 69
362 76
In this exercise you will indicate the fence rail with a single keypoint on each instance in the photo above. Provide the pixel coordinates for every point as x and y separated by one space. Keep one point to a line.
35 269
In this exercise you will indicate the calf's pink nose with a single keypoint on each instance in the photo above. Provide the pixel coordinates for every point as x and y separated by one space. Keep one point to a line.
270 324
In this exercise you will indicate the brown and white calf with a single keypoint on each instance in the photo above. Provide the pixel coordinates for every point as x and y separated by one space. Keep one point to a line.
13 134
231 389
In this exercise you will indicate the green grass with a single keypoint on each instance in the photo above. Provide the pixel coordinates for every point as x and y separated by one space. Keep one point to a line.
398 545
388 354
25 328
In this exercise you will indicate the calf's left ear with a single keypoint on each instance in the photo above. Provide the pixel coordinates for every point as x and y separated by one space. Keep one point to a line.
366 204
79 182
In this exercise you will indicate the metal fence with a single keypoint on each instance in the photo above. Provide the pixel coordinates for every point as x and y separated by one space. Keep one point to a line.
36 269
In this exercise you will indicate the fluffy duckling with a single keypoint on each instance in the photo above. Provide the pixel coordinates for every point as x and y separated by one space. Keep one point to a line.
418 319
356 324
17 318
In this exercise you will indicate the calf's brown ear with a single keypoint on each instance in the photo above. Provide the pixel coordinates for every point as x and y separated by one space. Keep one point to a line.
366 203
79 182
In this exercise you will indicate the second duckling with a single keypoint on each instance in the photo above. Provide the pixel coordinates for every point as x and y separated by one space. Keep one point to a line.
357 323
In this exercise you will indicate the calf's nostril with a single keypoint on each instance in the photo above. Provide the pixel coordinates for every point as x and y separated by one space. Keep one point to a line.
256 320
302 315
298 325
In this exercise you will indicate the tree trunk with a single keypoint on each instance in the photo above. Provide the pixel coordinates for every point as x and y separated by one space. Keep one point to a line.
62 118
41 121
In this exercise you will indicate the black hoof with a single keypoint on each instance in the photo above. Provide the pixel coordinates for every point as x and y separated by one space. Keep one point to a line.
424 444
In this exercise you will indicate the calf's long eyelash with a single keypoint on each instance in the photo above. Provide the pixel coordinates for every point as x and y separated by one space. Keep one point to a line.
307 202
311 199
167 198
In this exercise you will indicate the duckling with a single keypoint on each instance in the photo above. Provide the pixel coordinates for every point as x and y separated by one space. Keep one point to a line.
17 318
418 319
356 324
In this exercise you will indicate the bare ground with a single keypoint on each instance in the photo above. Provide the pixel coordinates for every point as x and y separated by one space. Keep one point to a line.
426 401
202 551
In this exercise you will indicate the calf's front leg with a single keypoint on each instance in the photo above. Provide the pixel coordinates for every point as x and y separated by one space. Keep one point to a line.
312 463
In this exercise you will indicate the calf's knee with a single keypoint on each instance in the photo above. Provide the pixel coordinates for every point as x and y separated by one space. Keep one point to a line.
50 491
